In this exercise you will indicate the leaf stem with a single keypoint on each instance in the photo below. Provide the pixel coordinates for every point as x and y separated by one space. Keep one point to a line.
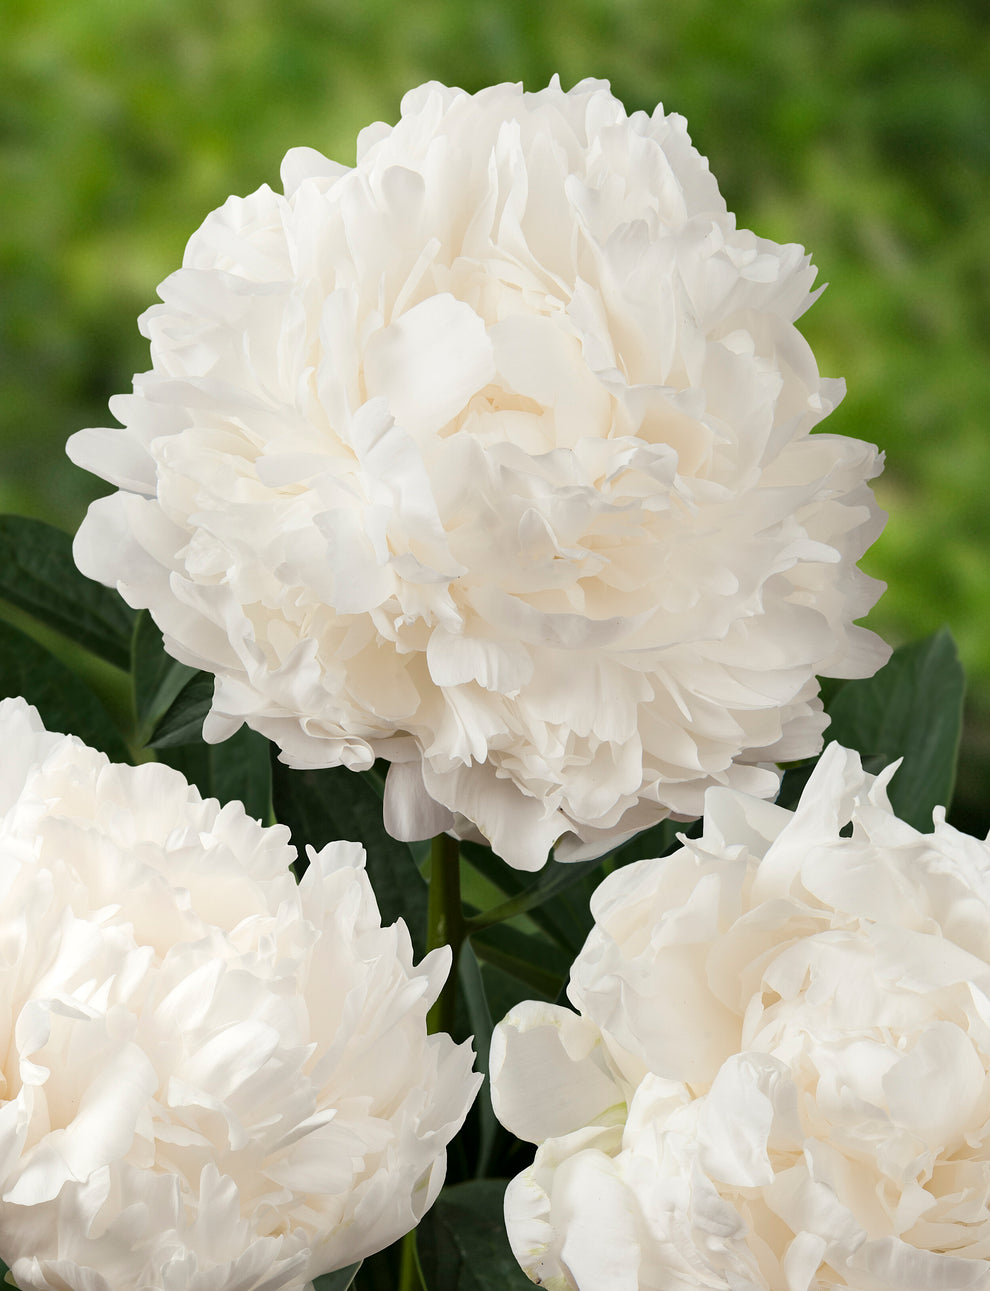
507 909
445 924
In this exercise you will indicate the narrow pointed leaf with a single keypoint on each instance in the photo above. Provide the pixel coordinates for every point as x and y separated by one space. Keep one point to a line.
39 576
472 988
529 958
554 877
158 678
182 723
544 899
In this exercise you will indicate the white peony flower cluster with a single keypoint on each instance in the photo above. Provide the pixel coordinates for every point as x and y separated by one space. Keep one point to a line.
778 1077
213 1079
492 457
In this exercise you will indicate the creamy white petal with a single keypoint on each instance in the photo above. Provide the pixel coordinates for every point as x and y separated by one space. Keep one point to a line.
541 1047
495 452
794 1016
429 362
215 1078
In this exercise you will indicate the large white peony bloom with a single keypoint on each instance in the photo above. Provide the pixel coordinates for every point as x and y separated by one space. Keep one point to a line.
492 456
212 1079
778 1078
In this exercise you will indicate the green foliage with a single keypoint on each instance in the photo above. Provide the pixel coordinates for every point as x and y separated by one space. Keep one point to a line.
911 709
462 1244
238 769
63 699
39 576
556 900
338 1281
530 958
480 1026
170 702
319 806
158 681
182 722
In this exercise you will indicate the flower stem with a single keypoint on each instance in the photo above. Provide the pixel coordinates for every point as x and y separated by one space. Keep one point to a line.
409 1279
445 921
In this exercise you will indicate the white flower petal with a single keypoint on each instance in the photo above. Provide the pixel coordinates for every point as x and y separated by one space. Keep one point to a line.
410 813
544 1047
215 1079
495 452
795 1021
300 164
428 363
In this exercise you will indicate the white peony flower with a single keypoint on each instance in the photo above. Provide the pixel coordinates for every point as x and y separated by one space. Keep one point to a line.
213 1079
777 1080
492 457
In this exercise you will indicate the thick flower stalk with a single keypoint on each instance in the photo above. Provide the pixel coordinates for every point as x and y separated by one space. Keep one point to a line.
777 1077
213 1079
491 456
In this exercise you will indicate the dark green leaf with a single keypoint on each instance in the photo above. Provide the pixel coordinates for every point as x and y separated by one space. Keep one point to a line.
242 769
567 916
339 1280
376 777
529 958
39 576
462 1244
557 877
319 806
911 709
158 678
563 912
558 900
503 992
239 768
61 696
480 1020
657 841
481 858
792 785
381 1271
482 1147
183 721
544 899
171 701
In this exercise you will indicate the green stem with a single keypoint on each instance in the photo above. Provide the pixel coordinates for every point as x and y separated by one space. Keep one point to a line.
409 1279
445 924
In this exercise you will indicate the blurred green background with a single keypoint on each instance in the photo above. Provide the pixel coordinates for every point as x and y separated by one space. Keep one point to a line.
860 129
